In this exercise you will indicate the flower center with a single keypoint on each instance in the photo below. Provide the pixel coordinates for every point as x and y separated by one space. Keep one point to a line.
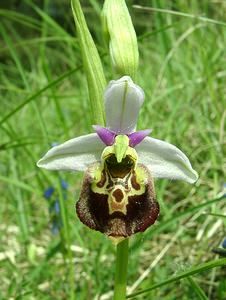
121 169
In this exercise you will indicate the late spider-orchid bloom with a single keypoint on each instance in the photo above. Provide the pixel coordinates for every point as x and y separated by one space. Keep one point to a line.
117 196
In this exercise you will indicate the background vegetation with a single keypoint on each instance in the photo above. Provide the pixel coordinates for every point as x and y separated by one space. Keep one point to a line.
45 252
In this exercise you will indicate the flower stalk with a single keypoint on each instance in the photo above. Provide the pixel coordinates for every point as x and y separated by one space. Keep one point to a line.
121 270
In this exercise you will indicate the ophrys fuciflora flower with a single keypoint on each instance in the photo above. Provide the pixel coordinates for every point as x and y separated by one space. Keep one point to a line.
117 196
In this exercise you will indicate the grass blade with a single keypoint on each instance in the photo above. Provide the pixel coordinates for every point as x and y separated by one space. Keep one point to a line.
192 271
38 93
197 289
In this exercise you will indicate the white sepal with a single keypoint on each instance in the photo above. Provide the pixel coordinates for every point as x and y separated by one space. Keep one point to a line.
75 154
123 100
165 160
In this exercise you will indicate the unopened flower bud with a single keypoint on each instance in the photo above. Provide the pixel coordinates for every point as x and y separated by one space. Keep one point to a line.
119 30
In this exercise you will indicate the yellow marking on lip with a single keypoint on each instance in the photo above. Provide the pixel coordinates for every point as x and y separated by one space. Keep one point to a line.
115 206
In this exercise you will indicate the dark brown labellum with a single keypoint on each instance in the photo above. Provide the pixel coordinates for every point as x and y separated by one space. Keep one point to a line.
117 199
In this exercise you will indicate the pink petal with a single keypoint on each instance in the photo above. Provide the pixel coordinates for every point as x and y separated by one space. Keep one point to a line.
107 136
136 137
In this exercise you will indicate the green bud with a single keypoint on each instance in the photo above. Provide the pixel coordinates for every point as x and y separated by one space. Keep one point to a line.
118 29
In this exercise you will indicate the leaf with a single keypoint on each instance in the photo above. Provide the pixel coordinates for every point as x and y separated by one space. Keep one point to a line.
92 64
194 270
197 289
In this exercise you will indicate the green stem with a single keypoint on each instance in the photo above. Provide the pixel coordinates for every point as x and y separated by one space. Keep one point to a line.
66 238
121 270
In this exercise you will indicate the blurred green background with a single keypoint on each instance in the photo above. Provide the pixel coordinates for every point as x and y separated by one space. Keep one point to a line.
45 252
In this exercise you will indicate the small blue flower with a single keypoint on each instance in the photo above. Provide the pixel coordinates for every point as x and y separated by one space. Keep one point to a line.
54 144
55 227
57 207
64 184
224 190
54 206
48 192
222 249
55 217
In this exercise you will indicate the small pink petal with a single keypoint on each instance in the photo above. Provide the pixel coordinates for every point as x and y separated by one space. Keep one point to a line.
107 136
136 137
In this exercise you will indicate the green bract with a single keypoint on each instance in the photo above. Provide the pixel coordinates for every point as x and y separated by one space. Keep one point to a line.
92 64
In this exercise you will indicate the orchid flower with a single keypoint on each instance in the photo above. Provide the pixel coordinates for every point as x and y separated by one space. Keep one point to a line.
117 196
